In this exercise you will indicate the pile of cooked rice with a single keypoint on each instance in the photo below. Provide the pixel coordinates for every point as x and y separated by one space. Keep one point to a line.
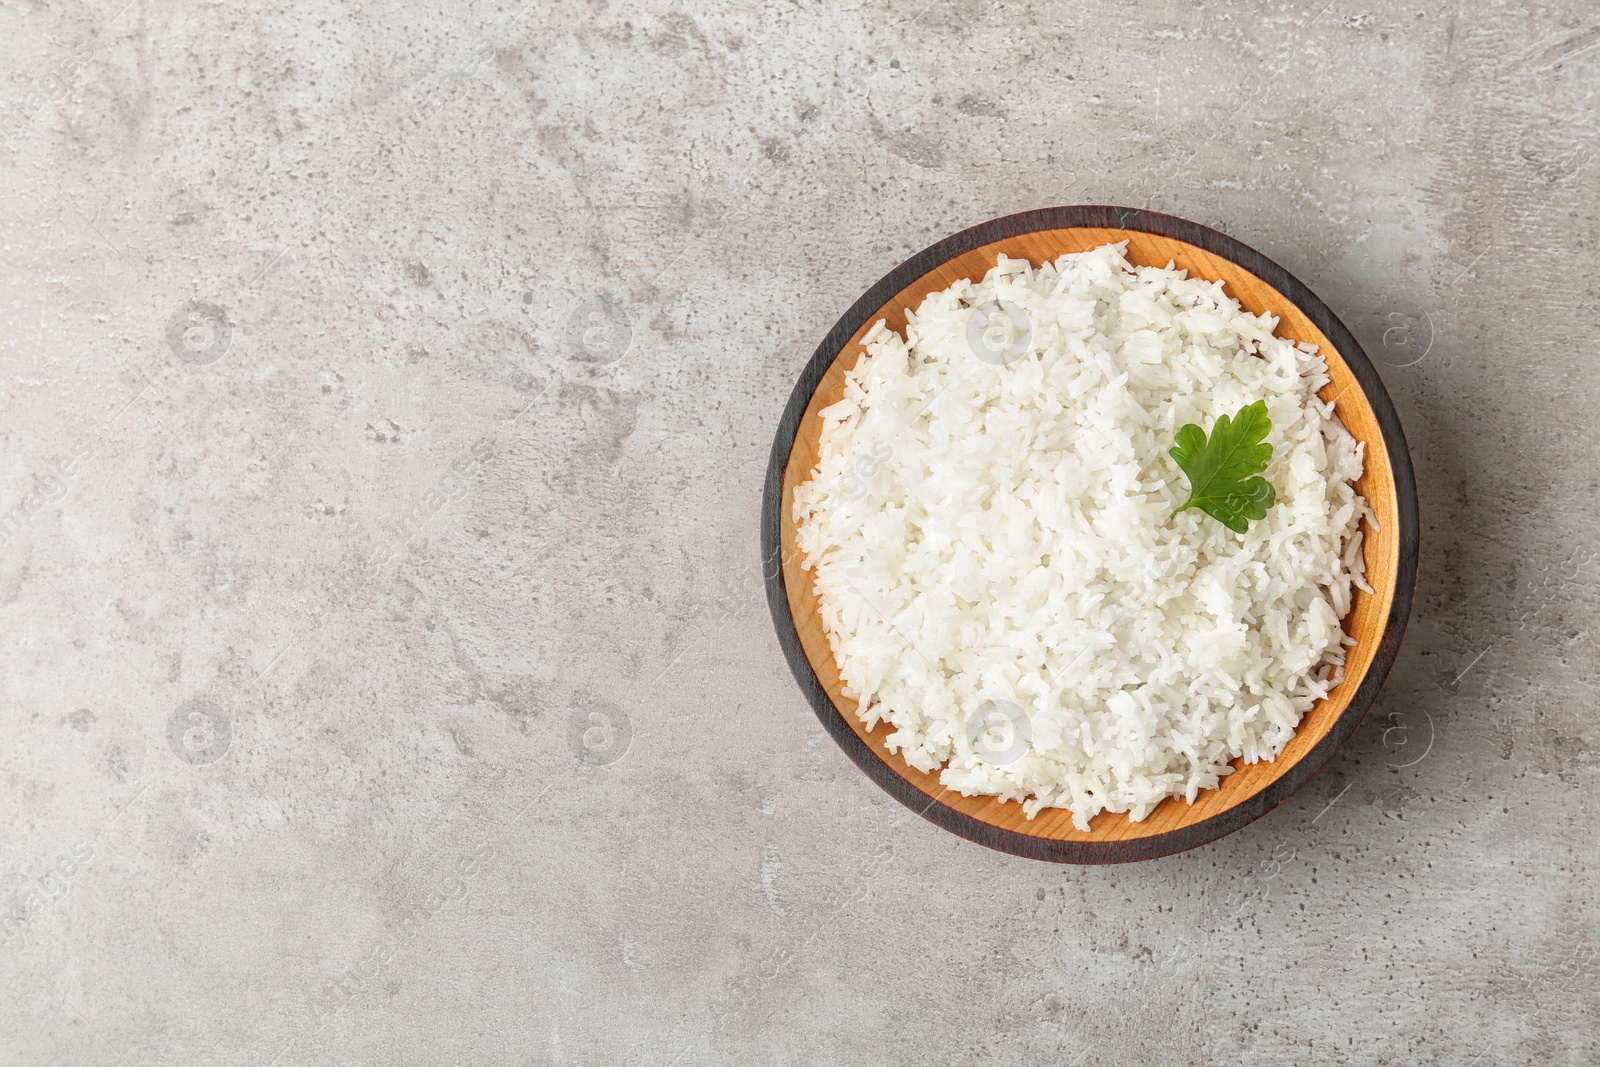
1002 575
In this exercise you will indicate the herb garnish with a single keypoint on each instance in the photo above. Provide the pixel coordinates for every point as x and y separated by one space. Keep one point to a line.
1220 469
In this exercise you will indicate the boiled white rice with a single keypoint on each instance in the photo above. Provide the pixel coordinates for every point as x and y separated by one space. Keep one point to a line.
1001 573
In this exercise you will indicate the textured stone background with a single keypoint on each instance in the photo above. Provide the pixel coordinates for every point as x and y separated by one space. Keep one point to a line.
387 394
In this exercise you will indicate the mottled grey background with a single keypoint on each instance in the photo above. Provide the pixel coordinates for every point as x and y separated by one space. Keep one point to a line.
387 394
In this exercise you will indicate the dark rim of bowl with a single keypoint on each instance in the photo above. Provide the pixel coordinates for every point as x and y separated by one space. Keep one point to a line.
1010 841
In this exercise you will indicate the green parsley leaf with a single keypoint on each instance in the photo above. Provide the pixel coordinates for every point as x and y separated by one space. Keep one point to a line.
1220 469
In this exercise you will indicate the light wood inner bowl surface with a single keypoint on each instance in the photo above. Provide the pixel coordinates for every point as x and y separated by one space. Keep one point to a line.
1368 612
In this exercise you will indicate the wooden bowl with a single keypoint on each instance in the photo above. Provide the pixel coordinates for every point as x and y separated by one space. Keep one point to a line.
1376 620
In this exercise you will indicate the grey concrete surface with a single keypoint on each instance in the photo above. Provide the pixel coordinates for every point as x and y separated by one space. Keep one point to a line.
387 393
